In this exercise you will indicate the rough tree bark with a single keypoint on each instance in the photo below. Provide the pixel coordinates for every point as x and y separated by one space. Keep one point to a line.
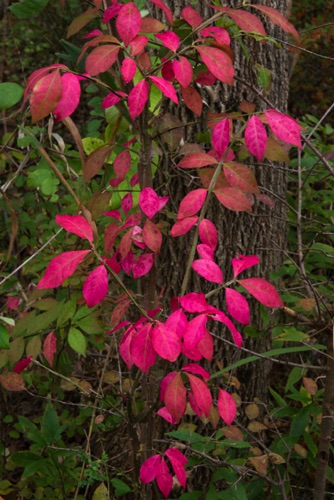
264 231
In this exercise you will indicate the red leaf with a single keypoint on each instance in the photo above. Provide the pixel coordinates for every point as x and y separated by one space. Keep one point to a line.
197 369
111 12
245 20
149 469
219 34
195 331
12 381
226 407
169 39
50 347
241 177
191 203
221 136
143 265
205 346
192 17
96 286
181 227
12 303
150 202
166 342
183 71
178 461
138 98
112 99
243 262
125 347
80 21
218 62
122 164
168 13
138 44
127 203
263 291
208 270
22 365
177 321
206 78
142 351
38 75
237 306
167 70
60 268
233 199
128 22
165 383
101 59
278 19
201 393
70 97
197 160
166 88
152 236
192 100
164 413
76 224
128 69
284 127
205 252
194 302
175 397
45 95
95 161
208 233
151 25
256 137
164 478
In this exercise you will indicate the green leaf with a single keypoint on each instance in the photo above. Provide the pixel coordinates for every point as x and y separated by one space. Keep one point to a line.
101 492
4 337
121 488
50 424
294 377
25 458
28 8
300 421
194 495
280 401
10 94
291 334
77 341
67 312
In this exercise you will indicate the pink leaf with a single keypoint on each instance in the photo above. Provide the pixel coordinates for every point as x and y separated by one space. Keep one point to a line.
194 302
221 136
284 127
22 364
161 5
166 88
197 160
138 98
233 199
201 394
149 469
60 268
128 69
50 347
181 227
205 252
165 383
169 39
245 20
96 286
237 306
220 316
150 202
166 342
208 270
192 17
151 25
277 18
111 12
138 44
112 99
219 34
226 407
205 346
101 59
243 262
192 203
208 233
76 224
125 347
143 265
263 291
142 351
45 95
256 137
128 22
241 177
164 478
195 331
12 303
178 461
218 62
197 370
183 71
164 413
38 75
70 97
175 397
122 164
152 236
192 100
127 203
177 322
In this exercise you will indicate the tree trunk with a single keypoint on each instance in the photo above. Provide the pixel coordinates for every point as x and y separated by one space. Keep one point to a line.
264 231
